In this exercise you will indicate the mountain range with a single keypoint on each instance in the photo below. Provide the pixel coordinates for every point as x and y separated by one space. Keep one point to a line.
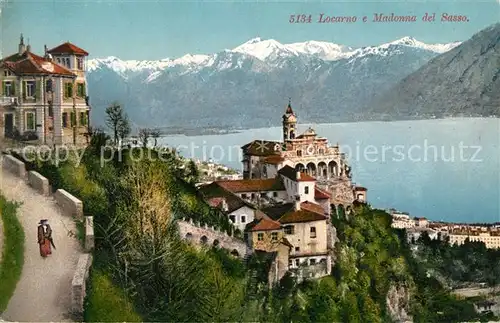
464 81
249 86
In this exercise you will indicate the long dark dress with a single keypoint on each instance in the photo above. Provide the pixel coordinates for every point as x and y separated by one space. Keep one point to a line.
44 236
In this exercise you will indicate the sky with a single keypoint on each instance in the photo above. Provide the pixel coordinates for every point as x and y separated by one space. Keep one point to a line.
150 30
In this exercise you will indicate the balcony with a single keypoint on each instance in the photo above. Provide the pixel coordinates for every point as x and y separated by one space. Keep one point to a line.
8 101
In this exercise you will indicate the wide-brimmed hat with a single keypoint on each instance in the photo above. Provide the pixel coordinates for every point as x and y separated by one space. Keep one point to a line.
43 221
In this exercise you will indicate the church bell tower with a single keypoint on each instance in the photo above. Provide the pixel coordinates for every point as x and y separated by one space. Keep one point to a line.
289 123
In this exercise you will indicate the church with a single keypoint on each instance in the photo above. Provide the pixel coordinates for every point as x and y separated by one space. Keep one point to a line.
284 204
306 152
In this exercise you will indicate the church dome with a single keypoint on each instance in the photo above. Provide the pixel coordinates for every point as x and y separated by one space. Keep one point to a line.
309 132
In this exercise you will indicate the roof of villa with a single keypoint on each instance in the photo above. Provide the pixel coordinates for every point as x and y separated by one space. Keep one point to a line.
312 207
291 173
360 188
29 63
68 48
309 132
277 212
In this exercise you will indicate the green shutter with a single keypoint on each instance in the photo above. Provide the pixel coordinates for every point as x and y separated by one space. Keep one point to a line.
70 89
84 90
24 89
2 91
13 88
73 119
38 89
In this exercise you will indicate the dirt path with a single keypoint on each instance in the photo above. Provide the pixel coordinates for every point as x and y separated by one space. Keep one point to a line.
44 291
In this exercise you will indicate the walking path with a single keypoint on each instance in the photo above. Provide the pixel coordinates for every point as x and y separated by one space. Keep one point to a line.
44 291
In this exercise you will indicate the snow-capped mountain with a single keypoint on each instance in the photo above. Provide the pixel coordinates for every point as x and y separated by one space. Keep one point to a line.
248 85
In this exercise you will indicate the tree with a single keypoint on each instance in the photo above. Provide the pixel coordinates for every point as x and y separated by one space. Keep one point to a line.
192 172
144 135
155 133
117 121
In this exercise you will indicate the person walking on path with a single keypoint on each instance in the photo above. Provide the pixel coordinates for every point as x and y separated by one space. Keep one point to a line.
45 238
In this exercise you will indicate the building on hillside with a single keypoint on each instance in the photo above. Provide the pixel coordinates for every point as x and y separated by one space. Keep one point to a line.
402 220
305 152
287 206
490 239
44 98
421 222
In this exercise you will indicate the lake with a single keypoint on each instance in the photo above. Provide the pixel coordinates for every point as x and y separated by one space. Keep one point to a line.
442 169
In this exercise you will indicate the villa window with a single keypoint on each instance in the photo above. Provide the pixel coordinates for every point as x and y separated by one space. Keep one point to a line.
48 86
290 229
68 90
51 111
79 63
313 232
243 196
299 153
65 61
30 121
243 219
263 195
321 151
297 262
30 89
65 119
83 118
312 261
6 72
73 119
306 190
275 194
274 236
253 195
297 249
80 90
260 236
7 88
290 263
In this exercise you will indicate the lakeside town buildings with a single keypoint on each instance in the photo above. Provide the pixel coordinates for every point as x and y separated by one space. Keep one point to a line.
289 192
455 232
43 99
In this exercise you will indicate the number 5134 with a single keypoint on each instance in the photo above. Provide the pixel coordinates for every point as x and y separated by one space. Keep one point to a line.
305 19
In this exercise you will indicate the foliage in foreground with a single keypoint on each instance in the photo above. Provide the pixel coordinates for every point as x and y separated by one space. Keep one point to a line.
12 260
106 302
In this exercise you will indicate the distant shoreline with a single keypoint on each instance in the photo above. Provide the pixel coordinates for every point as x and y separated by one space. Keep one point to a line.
193 132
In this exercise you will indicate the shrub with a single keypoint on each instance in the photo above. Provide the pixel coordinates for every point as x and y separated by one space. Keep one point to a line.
106 302
12 262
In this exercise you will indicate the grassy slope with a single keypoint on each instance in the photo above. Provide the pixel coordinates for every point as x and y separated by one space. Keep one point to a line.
12 253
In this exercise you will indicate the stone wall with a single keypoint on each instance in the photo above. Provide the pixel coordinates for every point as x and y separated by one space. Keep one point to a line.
14 165
89 233
69 204
209 236
79 283
38 182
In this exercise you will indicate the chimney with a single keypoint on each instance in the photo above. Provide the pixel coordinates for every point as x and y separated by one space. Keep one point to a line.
22 48
297 203
224 205
298 174
28 48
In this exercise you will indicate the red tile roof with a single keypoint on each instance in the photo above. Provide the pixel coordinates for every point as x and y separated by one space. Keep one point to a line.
265 224
313 207
68 48
215 201
291 173
302 215
320 194
31 64
252 185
